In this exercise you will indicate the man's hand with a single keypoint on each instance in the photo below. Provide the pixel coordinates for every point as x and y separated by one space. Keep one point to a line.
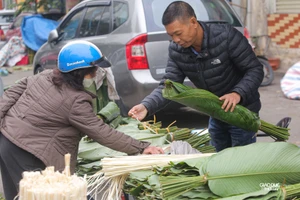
138 112
153 150
230 101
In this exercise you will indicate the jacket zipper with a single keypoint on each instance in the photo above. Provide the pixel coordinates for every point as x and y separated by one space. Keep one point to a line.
200 68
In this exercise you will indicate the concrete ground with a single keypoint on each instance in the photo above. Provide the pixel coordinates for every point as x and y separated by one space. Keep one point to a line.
274 105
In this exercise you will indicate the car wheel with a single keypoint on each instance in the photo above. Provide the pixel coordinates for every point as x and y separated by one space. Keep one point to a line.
268 71
123 109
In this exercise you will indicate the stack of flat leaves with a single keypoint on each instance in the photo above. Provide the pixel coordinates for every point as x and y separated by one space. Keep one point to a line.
257 171
90 152
87 167
146 185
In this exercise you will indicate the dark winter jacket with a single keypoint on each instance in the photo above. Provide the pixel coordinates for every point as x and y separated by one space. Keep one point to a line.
225 64
49 122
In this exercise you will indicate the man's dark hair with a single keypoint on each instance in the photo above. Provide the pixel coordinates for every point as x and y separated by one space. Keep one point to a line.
178 10
73 78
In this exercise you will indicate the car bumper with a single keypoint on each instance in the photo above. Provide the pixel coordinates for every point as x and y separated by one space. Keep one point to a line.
141 85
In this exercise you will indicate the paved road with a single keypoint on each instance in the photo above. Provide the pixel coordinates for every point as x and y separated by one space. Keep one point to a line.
16 75
274 107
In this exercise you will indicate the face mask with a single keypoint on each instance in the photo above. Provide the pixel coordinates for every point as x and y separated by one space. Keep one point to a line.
87 82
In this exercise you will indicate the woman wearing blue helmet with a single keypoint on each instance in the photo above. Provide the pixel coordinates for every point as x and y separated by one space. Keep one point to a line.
43 117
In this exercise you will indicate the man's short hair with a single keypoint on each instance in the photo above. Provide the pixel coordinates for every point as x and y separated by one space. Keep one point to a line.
178 10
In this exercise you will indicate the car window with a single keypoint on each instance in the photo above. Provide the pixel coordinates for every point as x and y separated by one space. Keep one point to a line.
104 25
205 10
6 18
120 14
68 29
90 21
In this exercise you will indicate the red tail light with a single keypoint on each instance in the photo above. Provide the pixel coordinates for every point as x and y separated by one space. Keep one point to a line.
136 53
246 33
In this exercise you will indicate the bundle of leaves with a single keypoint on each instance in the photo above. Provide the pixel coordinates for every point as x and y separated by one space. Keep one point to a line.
209 104
197 139
146 185
91 151
256 171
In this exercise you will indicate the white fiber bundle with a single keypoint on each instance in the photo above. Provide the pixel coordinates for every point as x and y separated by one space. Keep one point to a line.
52 185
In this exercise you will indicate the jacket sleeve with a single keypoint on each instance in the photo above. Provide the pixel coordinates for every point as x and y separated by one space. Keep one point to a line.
11 96
244 58
154 102
81 116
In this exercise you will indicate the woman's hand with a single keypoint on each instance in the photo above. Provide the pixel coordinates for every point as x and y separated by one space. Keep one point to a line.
153 150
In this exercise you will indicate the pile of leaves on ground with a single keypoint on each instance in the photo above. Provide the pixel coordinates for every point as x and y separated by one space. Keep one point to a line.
257 171
90 152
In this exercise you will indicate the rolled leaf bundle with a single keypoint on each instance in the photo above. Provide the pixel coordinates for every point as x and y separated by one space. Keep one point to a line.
209 104
110 112
115 122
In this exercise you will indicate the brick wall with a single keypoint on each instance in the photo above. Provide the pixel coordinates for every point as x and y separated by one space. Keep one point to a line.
284 29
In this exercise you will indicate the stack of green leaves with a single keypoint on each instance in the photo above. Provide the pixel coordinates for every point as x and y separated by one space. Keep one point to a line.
91 152
257 171
244 172
146 184
200 141
87 168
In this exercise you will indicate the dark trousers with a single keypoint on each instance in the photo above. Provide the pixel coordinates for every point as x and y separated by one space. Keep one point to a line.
224 135
13 162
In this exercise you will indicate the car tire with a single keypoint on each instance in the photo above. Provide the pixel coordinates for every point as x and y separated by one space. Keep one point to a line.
123 109
268 71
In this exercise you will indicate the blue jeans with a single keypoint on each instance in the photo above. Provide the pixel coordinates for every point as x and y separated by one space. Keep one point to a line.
224 135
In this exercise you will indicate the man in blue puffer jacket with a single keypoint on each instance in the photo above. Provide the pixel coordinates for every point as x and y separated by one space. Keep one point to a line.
215 57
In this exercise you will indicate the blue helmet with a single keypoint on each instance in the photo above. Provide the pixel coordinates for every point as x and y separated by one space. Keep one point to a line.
80 54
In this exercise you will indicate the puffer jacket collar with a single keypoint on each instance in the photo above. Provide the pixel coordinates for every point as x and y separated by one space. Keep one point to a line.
204 53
